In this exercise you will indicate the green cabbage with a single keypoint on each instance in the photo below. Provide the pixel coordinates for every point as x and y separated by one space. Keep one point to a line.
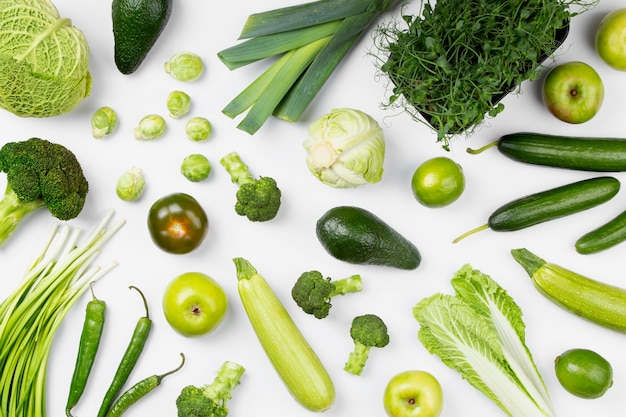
345 149
43 60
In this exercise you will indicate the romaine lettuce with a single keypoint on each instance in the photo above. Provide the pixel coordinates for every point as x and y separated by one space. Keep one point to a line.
480 333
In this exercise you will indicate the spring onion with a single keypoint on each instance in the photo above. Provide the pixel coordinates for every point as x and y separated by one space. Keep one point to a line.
310 40
31 314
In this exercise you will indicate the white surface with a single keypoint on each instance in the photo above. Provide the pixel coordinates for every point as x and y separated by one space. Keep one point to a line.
285 247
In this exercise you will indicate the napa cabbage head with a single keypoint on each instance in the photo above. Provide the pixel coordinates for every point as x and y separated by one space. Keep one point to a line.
43 60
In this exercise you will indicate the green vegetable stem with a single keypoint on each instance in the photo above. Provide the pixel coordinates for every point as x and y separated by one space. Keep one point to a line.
139 391
129 360
87 349
59 274
210 400
312 39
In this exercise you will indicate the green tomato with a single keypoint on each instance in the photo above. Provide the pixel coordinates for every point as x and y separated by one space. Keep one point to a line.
438 182
177 223
584 373
413 394
194 304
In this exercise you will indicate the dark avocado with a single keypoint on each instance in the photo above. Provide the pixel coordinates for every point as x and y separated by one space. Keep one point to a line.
357 236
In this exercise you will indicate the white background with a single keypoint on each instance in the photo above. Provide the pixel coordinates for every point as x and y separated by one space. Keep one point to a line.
283 248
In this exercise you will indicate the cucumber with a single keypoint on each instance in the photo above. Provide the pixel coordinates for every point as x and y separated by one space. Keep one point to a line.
550 204
603 237
291 355
357 236
592 300
578 153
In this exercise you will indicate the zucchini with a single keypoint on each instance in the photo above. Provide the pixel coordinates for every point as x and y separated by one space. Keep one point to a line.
293 358
603 237
600 303
549 204
578 153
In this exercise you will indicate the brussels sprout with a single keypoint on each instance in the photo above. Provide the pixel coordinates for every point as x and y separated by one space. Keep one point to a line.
150 127
196 167
345 148
130 184
178 104
184 66
198 129
103 122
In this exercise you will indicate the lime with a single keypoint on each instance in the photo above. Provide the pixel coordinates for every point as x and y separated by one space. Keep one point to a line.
583 373
438 182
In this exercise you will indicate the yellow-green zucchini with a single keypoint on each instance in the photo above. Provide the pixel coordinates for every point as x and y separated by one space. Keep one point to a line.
595 301
291 355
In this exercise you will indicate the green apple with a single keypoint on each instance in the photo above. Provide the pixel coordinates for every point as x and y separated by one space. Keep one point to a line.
573 92
611 39
413 394
194 304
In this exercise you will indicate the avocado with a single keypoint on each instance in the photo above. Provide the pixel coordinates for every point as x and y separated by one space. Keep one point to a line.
137 24
357 236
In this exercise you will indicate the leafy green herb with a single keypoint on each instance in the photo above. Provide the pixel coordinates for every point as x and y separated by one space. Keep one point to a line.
451 65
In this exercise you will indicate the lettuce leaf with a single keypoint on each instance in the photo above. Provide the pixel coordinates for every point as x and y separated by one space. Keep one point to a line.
479 332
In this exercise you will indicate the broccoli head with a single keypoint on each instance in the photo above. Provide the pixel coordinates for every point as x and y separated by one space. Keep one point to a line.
39 174
313 293
257 198
210 400
367 331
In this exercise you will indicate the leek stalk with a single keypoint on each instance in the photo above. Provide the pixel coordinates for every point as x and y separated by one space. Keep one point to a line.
313 38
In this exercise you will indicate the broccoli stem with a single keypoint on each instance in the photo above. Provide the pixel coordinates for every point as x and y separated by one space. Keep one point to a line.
227 378
347 285
357 358
238 170
13 211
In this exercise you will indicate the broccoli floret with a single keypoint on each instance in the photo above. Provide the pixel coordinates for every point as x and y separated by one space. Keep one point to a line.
39 173
312 292
210 400
257 198
367 331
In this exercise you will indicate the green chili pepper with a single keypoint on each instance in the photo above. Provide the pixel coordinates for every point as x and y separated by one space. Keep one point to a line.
129 360
87 349
138 391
